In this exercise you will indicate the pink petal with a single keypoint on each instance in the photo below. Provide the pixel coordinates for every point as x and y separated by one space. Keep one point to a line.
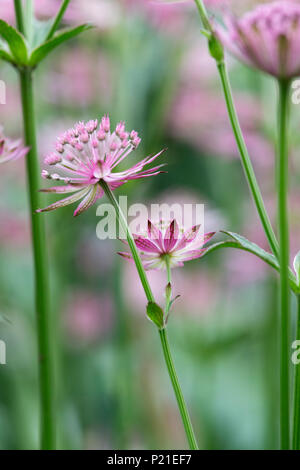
192 254
65 202
171 236
144 244
92 196
63 189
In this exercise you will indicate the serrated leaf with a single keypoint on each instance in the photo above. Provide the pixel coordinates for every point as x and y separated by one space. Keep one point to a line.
15 41
155 314
39 53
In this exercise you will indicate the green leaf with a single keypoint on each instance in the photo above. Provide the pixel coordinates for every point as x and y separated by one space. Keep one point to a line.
241 243
6 56
44 49
16 43
155 314
253 248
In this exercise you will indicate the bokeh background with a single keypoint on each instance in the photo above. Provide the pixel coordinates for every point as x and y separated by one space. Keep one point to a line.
145 63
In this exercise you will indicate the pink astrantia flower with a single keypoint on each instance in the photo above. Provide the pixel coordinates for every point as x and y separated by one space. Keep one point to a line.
10 149
267 38
167 241
89 154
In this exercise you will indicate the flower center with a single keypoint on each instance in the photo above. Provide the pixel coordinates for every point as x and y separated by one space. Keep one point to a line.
100 171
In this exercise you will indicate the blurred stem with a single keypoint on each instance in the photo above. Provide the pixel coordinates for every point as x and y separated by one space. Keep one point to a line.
41 270
29 12
177 390
283 229
58 18
163 334
19 16
125 411
247 165
296 430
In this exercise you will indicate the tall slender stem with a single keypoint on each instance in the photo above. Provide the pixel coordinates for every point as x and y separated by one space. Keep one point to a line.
283 230
58 18
177 390
19 16
41 270
246 162
203 14
247 165
163 335
136 257
173 376
296 430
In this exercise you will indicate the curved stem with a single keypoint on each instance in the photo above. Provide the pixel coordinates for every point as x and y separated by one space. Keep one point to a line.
150 297
296 430
283 229
246 162
41 271
177 390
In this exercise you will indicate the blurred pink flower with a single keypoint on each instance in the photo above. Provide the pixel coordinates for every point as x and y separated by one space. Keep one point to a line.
79 78
267 38
14 230
211 130
166 242
88 154
87 316
10 149
167 17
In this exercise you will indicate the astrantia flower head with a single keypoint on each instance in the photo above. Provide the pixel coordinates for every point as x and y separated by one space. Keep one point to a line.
10 149
267 38
87 155
168 242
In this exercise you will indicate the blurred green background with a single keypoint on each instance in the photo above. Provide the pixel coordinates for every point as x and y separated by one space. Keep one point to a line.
148 65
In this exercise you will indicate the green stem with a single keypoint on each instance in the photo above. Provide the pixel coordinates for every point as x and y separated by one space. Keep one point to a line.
246 162
135 254
177 390
283 230
296 430
29 14
19 16
203 14
58 18
41 270
163 335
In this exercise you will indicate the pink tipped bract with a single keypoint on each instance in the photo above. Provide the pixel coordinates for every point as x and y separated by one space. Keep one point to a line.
267 38
88 154
166 240
10 149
